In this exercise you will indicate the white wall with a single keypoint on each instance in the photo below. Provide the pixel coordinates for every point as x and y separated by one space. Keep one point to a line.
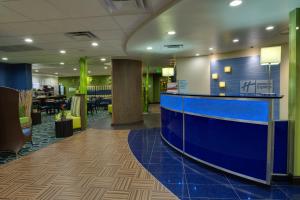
284 82
40 80
196 71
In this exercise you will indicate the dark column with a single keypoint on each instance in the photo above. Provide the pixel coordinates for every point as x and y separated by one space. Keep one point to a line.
126 91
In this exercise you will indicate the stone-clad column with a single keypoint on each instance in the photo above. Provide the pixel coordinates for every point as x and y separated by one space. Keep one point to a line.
83 87
294 94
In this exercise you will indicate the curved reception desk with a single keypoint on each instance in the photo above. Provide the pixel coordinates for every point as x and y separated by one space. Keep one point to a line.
233 134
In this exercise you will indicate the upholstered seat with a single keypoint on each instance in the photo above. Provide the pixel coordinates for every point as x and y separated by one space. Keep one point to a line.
74 113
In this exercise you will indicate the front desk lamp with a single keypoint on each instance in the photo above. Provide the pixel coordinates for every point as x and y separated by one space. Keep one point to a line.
270 56
167 72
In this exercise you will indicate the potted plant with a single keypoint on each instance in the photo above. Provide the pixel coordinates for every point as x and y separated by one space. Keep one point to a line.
62 113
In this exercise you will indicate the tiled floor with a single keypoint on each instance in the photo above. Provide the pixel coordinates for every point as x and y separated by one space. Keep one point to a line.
190 180
95 164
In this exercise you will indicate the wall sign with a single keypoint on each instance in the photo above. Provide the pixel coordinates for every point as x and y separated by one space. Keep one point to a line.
182 86
247 86
264 86
256 86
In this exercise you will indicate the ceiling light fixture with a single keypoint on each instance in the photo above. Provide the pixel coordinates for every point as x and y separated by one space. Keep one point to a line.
103 59
62 51
36 70
4 58
197 54
56 73
28 40
95 44
61 63
105 68
236 40
89 72
211 48
75 69
149 48
235 3
269 28
171 33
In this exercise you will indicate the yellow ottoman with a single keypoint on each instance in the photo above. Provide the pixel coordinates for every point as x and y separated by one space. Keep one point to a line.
109 108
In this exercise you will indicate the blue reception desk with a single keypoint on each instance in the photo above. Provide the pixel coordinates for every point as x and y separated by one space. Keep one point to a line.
233 134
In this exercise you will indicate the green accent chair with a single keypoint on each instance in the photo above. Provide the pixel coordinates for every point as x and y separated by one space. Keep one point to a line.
74 113
25 123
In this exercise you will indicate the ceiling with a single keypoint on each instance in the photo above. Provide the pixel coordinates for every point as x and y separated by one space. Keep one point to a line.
127 31
202 24
47 21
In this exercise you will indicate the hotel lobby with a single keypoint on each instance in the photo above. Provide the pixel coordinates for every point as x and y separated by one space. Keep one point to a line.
150 99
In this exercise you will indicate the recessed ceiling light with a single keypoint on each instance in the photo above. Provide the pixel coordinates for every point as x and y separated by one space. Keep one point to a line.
28 40
103 59
36 70
235 3
75 69
89 72
95 44
149 48
61 63
56 73
197 54
171 33
270 28
236 40
105 67
4 58
211 48
62 51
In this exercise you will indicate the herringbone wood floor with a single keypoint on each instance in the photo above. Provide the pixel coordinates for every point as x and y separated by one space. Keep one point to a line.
92 165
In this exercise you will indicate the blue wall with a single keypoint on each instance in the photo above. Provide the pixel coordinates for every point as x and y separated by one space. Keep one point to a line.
244 68
17 76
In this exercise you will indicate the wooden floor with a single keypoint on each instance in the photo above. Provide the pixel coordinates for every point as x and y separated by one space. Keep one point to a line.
96 164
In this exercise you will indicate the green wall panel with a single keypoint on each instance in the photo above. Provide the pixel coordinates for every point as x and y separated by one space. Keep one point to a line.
73 82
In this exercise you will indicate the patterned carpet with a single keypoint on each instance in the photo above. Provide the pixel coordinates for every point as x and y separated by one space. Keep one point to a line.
44 134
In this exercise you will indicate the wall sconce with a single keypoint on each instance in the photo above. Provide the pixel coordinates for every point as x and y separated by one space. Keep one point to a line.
222 84
227 69
214 76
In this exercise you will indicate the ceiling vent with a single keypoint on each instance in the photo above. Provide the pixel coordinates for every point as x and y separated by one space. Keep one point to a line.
19 48
81 35
125 6
174 46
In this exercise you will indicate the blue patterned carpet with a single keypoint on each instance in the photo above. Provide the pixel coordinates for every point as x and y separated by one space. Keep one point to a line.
44 134
190 180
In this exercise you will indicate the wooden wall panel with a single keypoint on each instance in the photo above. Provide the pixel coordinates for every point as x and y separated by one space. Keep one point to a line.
126 91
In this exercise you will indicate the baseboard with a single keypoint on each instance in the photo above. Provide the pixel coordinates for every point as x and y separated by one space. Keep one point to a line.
296 180
127 124
282 177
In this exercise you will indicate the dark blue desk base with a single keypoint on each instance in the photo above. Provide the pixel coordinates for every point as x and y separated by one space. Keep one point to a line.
239 148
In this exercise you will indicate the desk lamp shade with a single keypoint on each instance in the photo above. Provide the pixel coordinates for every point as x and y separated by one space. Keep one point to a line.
168 71
270 55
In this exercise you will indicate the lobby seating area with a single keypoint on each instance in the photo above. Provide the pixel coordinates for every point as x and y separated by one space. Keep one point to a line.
44 134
